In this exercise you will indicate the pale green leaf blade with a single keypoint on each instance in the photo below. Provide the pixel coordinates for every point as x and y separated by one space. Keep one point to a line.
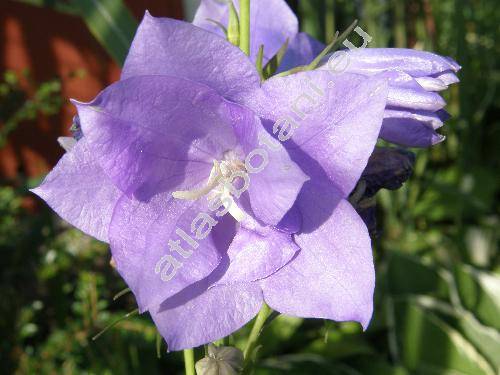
480 293
431 345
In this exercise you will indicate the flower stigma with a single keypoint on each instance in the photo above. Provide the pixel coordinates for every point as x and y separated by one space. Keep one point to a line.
219 185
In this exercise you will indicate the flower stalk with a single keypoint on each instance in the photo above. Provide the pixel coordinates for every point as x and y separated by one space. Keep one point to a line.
245 26
189 361
253 339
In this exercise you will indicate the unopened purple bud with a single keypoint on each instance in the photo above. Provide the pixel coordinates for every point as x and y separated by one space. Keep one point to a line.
388 168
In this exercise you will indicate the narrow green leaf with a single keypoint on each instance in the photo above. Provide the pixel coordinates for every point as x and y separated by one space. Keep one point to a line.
111 23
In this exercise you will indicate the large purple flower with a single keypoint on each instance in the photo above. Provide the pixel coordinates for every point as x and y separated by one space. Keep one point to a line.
153 176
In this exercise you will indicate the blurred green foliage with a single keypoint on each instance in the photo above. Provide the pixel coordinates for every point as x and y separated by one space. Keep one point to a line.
437 308
17 106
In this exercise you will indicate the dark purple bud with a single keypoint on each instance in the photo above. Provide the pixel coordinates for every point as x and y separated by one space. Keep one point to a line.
388 168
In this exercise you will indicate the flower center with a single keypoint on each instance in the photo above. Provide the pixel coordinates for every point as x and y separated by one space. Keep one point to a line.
220 184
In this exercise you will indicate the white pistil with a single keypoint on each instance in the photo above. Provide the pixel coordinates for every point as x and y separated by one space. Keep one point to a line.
217 187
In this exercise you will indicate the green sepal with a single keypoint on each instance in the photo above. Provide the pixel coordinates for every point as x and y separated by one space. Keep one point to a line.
111 325
273 64
259 62
158 341
221 26
233 26
337 40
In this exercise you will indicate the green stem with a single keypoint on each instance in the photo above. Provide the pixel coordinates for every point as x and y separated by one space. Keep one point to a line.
245 26
189 361
329 20
253 339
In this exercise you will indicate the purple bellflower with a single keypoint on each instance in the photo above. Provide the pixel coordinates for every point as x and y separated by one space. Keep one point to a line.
189 105
218 193
414 110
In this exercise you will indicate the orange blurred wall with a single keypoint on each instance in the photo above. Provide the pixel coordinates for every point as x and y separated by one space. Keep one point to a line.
50 45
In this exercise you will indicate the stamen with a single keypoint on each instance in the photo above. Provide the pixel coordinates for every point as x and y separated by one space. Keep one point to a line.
214 188
194 194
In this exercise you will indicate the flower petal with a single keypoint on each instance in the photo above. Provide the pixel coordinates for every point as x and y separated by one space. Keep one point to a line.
417 99
257 253
272 22
332 276
291 222
411 128
406 91
164 46
431 84
413 62
271 170
142 234
328 126
80 192
429 119
157 133
448 78
193 319
67 143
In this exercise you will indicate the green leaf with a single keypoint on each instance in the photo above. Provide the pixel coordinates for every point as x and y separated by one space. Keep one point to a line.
480 293
429 345
485 339
371 365
300 364
111 23
410 275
